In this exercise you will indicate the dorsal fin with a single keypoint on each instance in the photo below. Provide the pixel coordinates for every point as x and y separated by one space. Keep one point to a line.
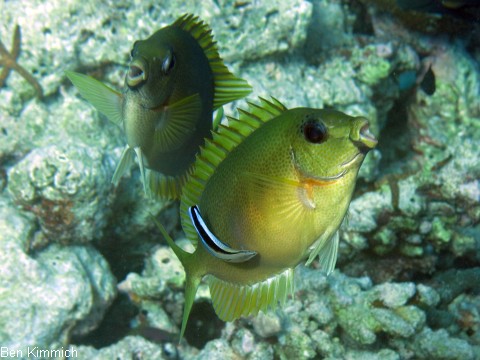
215 150
227 86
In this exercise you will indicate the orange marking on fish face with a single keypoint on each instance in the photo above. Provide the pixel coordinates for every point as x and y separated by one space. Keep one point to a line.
309 185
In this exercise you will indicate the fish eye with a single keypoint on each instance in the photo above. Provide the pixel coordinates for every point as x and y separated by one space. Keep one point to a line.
168 63
315 132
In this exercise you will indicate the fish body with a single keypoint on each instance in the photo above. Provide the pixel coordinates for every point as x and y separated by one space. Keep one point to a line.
175 73
175 80
275 183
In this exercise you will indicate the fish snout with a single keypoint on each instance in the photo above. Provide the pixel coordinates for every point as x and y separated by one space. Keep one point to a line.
361 135
137 73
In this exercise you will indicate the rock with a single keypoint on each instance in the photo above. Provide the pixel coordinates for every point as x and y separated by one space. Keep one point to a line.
131 347
63 290
68 188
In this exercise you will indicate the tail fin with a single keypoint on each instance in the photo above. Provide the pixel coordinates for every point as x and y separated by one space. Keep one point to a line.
193 274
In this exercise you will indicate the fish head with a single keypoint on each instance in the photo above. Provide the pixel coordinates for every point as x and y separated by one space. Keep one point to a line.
327 144
151 74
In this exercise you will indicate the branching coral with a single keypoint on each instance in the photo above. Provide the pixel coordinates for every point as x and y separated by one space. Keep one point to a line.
9 62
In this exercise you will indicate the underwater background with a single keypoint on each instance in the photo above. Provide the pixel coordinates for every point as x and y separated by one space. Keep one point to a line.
83 267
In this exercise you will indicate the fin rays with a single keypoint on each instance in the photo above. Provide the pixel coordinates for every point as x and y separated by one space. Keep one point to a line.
327 251
169 187
232 301
126 160
227 86
103 98
287 206
178 123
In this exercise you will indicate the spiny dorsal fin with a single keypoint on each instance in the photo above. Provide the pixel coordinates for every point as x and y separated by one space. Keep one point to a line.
215 150
227 86
232 301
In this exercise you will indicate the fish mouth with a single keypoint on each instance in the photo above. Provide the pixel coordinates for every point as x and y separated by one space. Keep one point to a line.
137 73
363 139
361 136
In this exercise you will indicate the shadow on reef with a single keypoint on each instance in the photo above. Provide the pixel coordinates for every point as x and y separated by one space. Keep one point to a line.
115 325
449 285
128 241
396 139
204 325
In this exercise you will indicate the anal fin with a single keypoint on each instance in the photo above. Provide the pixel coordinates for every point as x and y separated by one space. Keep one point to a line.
232 301
165 187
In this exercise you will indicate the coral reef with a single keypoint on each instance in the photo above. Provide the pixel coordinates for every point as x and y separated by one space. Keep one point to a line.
131 347
67 188
48 296
406 284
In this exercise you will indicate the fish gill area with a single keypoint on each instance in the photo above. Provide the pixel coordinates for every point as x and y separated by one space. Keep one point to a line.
83 265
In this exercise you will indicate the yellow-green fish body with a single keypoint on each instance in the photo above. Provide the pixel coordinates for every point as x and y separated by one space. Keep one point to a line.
273 189
176 79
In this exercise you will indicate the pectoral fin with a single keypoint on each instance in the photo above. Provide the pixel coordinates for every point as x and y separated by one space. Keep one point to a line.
177 123
327 251
213 245
292 201
103 98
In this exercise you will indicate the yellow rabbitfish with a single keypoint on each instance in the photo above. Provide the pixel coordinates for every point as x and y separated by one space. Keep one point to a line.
175 80
268 191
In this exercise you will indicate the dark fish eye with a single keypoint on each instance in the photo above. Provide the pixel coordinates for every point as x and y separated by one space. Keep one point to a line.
168 63
315 132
